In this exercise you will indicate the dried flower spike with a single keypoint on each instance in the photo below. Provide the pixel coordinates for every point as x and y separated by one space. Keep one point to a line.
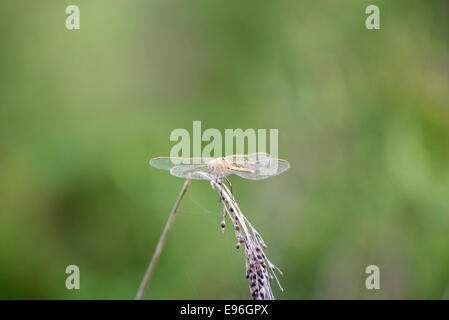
256 260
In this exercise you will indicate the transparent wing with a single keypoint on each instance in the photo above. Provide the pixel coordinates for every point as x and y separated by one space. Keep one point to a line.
166 163
244 158
261 169
193 171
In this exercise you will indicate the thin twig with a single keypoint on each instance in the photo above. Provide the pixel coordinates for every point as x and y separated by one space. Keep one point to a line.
161 242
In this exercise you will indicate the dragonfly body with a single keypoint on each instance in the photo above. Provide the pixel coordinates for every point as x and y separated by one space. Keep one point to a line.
220 166
254 166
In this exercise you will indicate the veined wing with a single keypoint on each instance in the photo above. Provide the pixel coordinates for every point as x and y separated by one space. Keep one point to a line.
245 158
260 169
166 163
194 171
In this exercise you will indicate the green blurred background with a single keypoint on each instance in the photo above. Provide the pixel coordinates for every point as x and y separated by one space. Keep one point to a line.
363 118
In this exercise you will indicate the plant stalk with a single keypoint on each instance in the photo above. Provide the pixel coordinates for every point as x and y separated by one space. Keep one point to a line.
161 243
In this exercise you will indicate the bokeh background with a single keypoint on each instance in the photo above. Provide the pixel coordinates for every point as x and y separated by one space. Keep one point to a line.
363 118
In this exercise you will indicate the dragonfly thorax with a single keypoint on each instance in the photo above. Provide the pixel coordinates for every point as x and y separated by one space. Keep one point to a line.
218 166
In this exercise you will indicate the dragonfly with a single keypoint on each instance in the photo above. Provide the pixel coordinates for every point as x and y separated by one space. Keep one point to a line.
255 166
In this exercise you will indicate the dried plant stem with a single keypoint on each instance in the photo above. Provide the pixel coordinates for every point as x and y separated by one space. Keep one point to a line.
260 271
161 243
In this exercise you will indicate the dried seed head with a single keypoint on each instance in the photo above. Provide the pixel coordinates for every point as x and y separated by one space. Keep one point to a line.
258 267
223 226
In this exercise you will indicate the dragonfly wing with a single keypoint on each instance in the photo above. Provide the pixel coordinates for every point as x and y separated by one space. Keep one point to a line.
191 171
244 158
262 169
166 163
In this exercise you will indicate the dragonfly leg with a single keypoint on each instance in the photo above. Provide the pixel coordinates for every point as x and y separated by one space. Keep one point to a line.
221 192
229 183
